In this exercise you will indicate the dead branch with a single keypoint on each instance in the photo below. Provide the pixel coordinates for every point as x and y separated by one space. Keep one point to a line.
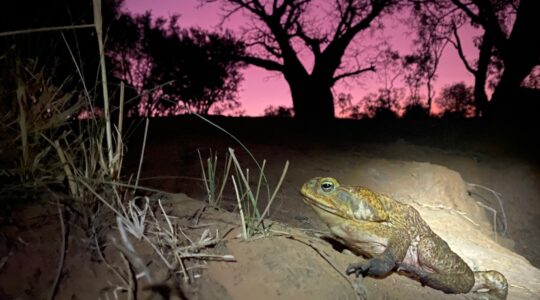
62 252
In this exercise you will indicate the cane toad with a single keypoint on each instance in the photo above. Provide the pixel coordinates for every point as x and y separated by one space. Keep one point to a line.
393 235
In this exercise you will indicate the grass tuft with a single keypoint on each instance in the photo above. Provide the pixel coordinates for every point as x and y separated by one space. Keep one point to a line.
214 188
248 197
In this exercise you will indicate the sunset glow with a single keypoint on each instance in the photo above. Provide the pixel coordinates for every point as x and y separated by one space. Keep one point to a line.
262 88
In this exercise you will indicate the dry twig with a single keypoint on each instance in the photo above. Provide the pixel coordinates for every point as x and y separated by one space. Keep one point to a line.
451 210
498 197
44 29
62 252
320 252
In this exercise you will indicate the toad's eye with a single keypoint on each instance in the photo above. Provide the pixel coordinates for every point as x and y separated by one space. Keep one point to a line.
327 186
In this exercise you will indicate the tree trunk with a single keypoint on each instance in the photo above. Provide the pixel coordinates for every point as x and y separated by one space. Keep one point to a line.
480 75
312 100
521 53
430 96
507 102
508 87
480 97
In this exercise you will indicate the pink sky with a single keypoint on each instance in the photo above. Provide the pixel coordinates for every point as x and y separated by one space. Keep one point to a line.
261 88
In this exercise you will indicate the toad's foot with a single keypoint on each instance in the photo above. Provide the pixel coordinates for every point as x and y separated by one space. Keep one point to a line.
372 267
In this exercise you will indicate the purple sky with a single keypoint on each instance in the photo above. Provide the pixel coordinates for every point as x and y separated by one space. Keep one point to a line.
261 88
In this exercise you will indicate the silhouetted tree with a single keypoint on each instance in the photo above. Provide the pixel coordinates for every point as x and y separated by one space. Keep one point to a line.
421 66
457 100
507 39
282 29
414 66
178 70
390 71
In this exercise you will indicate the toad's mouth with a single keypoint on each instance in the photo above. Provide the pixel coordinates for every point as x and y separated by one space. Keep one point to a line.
320 205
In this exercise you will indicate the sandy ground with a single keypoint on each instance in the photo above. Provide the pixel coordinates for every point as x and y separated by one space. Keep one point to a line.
442 170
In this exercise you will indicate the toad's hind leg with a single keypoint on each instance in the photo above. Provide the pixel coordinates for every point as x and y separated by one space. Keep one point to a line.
494 281
447 271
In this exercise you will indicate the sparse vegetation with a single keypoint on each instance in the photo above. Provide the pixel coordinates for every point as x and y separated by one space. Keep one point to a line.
70 147
248 193
279 111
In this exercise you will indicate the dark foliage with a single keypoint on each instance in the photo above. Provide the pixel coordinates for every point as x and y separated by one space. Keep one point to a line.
416 112
457 100
384 114
177 70
279 111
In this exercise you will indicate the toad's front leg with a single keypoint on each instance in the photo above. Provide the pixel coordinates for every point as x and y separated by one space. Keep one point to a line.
384 263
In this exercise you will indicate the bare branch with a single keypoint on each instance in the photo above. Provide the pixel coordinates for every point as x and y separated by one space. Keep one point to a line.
272 50
353 73
34 30
331 56
465 8
376 9
459 48
294 13
263 63
253 6
228 15
313 43
346 15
